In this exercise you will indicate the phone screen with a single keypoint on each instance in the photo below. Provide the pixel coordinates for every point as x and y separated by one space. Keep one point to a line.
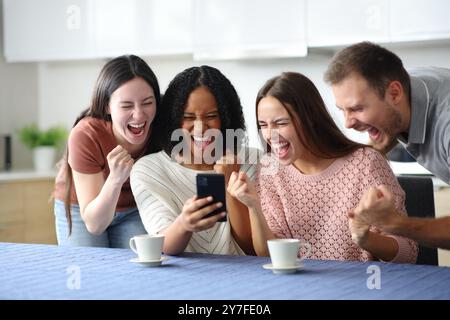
212 184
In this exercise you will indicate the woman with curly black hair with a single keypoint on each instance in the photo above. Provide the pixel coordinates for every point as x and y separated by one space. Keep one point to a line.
202 119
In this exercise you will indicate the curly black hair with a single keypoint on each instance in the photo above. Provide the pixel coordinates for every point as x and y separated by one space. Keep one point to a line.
175 99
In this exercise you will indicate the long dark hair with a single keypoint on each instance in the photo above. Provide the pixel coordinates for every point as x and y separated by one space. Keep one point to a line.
177 94
113 75
315 128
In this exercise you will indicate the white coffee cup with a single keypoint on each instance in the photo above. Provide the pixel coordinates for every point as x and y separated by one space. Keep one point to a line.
284 252
147 247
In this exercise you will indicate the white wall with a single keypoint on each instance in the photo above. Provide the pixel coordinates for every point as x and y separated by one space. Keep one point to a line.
65 89
18 102
423 54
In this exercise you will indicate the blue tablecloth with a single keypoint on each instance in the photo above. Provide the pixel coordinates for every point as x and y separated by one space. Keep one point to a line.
29 271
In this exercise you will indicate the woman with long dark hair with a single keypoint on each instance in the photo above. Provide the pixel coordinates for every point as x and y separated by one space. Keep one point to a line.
312 177
94 205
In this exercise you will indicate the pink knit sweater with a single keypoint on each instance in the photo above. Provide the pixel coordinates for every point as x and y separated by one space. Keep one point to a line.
314 208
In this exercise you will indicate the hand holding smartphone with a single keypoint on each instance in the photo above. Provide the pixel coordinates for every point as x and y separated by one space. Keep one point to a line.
212 184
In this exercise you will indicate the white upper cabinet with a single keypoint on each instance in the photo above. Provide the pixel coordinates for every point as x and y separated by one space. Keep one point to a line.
343 22
37 30
40 30
171 27
233 29
145 27
118 26
414 20
47 30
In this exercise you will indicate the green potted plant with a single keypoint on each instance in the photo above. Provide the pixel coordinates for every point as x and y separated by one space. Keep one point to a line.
44 144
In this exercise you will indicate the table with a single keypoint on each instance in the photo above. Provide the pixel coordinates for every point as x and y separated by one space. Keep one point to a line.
34 271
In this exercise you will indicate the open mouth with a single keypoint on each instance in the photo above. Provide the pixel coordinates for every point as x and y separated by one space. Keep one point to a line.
281 149
374 134
137 129
202 141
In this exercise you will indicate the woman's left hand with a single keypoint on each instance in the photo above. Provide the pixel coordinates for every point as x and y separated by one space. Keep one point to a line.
359 229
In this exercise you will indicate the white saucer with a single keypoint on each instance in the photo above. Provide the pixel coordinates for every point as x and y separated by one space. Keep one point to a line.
150 263
283 270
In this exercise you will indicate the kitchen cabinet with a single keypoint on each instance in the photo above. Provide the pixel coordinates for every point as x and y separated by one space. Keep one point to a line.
26 211
235 29
47 30
142 27
417 20
41 30
343 22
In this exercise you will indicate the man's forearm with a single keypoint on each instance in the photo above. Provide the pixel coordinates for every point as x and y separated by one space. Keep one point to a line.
428 232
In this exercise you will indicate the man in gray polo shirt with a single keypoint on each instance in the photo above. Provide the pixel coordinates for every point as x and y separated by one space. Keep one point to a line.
377 95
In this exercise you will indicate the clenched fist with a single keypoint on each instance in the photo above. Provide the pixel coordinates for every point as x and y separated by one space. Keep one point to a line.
376 207
120 163
242 189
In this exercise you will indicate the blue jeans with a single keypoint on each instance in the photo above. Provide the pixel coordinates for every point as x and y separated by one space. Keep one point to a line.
126 224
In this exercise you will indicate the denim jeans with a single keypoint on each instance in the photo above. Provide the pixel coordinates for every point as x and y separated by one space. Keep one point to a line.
125 225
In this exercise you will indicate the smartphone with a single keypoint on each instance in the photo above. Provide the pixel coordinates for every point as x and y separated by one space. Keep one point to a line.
212 184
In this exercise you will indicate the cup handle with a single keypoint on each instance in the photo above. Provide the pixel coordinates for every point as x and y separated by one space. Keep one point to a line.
133 245
308 251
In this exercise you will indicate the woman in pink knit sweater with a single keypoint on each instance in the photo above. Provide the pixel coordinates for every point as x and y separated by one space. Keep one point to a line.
312 176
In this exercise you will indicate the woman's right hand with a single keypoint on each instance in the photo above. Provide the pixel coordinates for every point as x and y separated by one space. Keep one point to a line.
194 209
242 189
120 163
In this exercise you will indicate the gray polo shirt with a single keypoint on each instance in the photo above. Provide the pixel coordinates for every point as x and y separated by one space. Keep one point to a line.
429 132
